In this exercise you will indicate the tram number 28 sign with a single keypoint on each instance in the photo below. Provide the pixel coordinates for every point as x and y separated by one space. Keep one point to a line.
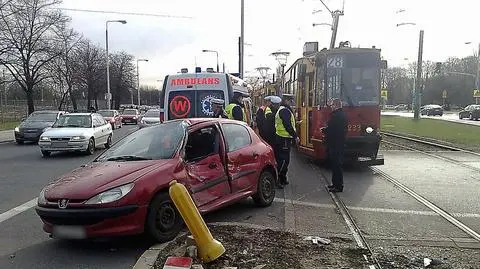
335 62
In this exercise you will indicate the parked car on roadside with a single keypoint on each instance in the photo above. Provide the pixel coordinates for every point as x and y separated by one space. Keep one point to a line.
150 117
113 117
431 110
76 132
130 115
401 107
125 190
471 111
35 124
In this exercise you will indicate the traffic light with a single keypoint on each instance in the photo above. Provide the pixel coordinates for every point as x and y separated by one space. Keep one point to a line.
438 68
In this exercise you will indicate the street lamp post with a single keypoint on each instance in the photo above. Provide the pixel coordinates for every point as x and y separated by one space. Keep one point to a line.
263 70
281 57
109 95
138 80
417 95
216 52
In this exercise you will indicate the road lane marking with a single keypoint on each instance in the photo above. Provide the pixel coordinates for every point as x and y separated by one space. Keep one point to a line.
17 210
289 215
376 209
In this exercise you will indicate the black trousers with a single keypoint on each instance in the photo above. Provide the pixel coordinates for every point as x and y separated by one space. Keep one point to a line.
282 156
335 156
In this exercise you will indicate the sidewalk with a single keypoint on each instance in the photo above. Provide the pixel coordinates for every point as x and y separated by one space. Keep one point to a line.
6 136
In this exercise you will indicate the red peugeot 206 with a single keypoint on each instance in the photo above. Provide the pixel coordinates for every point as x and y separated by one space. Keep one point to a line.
125 190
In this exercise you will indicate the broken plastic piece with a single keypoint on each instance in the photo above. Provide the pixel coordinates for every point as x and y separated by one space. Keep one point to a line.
316 239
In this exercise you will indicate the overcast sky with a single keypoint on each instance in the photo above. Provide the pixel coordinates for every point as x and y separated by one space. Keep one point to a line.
272 25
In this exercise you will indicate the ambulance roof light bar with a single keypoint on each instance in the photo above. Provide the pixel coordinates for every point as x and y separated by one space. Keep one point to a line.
184 70
210 70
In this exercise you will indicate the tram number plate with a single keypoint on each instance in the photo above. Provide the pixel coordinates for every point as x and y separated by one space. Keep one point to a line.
354 127
335 62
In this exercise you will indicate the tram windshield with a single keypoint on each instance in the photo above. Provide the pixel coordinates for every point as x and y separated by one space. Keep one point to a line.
354 78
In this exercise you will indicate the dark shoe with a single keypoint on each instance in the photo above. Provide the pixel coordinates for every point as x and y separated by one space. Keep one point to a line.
285 182
330 186
334 189
280 186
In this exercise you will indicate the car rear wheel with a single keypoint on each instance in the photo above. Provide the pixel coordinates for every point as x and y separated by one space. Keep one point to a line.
91 147
109 142
163 222
20 142
46 153
265 189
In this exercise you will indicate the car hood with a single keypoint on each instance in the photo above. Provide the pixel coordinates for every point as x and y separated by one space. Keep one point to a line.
151 118
65 131
92 179
36 124
108 118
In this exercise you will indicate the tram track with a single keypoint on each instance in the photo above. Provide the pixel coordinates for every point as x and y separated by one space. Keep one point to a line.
356 230
431 153
352 225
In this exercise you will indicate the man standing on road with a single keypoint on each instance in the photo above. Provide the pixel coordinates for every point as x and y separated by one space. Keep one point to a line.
260 117
336 132
234 109
218 111
285 135
269 122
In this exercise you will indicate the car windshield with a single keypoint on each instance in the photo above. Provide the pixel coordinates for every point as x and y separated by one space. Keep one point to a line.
129 112
152 113
155 143
106 113
42 116
74 121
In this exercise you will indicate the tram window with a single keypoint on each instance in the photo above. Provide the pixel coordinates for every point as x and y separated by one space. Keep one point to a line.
320 88
311 90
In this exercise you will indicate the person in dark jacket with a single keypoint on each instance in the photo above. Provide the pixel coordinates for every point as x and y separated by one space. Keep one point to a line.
286 134
260 117
218 111
234 109
336 133
269 122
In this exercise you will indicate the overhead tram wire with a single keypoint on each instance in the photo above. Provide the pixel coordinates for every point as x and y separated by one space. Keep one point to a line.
126 13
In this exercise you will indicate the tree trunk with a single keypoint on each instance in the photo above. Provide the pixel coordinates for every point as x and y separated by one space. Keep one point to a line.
74 101
31 105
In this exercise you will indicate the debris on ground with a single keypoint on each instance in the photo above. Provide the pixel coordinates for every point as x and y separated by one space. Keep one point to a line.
249 248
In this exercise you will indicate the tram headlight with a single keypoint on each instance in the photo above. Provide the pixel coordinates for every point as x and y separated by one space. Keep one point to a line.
369 130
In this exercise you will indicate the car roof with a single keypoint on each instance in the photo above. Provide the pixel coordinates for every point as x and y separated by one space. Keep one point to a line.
79 114
46 111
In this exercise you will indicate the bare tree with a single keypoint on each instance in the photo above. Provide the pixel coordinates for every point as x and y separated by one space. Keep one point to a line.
122 77
27 34
89 69
63 68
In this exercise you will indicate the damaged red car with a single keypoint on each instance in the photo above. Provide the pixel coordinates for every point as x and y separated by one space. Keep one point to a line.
125 190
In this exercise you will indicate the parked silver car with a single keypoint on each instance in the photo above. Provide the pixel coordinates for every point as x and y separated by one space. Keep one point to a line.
76 132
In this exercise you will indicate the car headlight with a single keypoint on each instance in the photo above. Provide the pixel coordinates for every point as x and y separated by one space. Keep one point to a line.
111 195
41 198
17 129
369 130
77 138
44 138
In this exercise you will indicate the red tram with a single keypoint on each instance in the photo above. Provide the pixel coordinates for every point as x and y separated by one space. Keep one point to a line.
354 76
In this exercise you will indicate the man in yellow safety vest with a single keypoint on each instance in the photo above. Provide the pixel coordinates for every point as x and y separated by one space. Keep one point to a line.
286 134
235 109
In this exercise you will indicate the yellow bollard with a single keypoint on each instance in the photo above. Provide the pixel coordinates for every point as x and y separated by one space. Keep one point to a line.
209 249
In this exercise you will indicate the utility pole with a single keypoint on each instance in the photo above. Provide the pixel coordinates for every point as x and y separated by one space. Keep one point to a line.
242 37
477 79
416 114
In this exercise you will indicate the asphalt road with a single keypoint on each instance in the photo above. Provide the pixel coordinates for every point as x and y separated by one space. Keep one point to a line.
447 116
386 214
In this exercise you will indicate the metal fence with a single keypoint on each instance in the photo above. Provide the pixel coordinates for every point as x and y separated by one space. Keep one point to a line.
14 110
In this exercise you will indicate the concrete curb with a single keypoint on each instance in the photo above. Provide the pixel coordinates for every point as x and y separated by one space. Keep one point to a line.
148 258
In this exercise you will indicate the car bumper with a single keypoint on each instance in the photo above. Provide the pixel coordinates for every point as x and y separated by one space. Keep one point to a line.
68 146
129 120
95 222
27 136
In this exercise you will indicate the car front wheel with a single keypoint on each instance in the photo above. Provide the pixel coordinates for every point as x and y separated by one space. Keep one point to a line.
91 147
20 142
265 189
46 153
163 222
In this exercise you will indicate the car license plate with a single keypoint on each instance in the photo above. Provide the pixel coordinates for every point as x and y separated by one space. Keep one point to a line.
60 144
29 135
69 232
